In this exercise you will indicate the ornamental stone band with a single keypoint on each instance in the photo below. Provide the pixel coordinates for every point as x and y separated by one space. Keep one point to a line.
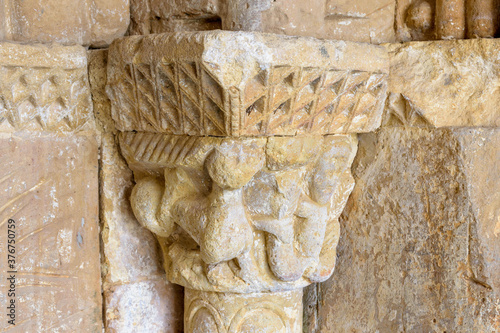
241 146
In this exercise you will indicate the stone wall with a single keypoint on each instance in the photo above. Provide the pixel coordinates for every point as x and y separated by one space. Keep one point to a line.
419 237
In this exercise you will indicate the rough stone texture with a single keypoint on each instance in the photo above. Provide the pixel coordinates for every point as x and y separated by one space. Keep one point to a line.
137 296
419 248
44 88
97 64
361 21
145 306
245 84
155 16
273 203
49 187
482 18
446 19
447 83
450 19
237 204
415 20
96 22
247 313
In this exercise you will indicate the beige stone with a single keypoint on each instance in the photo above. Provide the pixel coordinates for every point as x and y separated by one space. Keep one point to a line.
448 83
156 16
245 84
278 222
247 313
95 23
137 296
419 237
446 19
97 64
49 188
482 18
144 306
244 211
450 19
360 21
44 88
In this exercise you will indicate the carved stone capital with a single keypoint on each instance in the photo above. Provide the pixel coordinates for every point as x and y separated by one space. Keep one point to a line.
241 149
242 214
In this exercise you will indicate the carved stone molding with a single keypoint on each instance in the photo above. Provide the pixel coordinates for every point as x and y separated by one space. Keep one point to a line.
279 312
245 84
241 150
44 88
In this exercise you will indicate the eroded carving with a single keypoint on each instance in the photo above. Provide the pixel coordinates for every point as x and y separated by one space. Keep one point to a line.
44 88
242 215
245 84
257 312
241 149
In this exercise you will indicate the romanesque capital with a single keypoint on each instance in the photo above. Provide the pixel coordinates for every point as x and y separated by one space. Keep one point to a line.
241 148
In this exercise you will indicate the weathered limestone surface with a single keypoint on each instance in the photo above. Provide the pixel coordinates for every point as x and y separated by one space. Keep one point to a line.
48 185
245 84
96 22
238 168
448 83
272 202
44 88
361 21
446 19
137 296
263 313
419 245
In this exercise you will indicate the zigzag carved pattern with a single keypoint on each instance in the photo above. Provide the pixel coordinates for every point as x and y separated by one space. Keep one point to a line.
44 98
289 100
185 98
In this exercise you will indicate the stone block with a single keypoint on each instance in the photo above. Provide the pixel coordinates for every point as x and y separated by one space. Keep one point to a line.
445 83
49 187
95 23
144 307
136 294
245 84
419 244
360 21
44 88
